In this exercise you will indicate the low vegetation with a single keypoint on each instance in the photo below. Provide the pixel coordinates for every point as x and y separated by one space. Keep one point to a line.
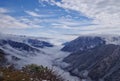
28 73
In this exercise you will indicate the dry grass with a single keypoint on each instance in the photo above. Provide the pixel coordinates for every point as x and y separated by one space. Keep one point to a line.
29 73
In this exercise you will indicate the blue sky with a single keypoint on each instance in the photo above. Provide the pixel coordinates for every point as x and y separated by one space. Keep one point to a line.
55 18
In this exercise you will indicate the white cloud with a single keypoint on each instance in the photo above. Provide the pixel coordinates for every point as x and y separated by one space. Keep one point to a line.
104 12
32 23
7 21
2 10
37 14
31 13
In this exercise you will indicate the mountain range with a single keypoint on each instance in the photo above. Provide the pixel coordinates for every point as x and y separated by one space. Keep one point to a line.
88 57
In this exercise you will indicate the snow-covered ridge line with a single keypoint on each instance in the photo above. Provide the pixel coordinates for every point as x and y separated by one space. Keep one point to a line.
109 38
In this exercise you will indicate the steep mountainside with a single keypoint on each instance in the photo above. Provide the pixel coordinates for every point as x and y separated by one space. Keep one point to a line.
97 62
100 62
83 43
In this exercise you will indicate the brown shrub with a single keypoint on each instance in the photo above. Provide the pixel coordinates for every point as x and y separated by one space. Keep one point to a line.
29 73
